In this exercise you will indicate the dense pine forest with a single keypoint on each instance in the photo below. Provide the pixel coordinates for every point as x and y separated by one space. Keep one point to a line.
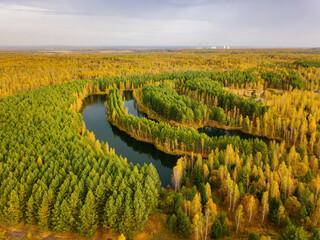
57 177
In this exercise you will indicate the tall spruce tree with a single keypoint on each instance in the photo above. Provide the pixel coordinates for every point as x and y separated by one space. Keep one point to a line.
110 215
30 211
13 209
88 217
44 213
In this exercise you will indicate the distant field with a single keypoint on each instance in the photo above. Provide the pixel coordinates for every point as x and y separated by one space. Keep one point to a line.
20 71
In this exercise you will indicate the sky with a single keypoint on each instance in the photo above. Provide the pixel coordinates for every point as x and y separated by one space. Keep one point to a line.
255 23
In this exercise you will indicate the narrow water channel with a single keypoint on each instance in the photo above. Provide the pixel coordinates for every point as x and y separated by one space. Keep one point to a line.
131 105
94 116
212 132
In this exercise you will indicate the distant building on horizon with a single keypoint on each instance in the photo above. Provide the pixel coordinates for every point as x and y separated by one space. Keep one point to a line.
199 47
213 46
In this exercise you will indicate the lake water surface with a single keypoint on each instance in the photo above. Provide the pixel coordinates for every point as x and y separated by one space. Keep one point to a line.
94 115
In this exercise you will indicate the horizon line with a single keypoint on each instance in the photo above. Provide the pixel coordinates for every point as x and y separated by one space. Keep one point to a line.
129 47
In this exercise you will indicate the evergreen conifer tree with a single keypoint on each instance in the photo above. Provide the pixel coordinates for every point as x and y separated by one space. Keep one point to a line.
88 218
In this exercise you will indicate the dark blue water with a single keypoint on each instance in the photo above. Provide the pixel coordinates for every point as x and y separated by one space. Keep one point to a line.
131 105
94 116
212 132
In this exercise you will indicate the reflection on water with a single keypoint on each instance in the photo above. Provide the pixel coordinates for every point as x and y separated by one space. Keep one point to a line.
94 116
131 105
212 132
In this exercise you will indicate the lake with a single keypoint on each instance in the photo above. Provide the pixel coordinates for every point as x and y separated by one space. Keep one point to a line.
94 115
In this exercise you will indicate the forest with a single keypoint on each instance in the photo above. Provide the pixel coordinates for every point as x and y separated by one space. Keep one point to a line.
56 176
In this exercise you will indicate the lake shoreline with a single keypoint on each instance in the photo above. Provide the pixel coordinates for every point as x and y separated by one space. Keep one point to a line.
207 123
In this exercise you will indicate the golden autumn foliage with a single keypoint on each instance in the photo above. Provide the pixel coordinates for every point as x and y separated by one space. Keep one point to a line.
250 184
20 71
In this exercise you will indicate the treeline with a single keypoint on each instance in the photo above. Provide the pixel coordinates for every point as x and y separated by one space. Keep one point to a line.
283 78
308 63
248 78
167 103
212 93
173 139
62 180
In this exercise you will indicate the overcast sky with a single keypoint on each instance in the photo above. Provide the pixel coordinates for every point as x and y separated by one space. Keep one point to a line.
268 23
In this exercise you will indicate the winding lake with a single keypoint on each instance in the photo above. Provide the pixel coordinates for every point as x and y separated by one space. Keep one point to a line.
94 116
